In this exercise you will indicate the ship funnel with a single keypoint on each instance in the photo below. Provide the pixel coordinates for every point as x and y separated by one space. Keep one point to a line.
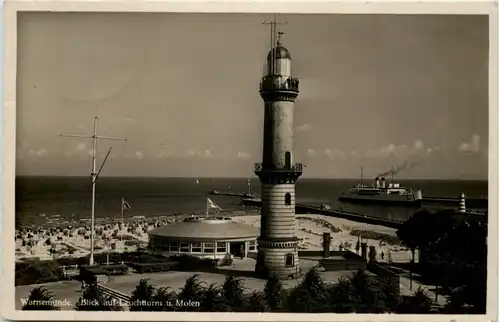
383 182
377 182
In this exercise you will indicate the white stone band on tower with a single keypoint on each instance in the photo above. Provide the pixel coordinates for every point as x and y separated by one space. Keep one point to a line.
462 203
280 201
278 242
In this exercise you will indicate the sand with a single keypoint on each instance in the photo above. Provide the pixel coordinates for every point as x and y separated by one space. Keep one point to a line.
74 242
311 234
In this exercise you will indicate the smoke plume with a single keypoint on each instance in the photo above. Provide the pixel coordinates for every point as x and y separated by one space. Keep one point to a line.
397 169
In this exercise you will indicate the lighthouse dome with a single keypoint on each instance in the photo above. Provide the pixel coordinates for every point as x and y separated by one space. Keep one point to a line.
279 52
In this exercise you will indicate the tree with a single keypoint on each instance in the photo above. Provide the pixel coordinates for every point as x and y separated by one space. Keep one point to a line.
463 253
256 302
167 297
40 299
422 230
310 296
142 297
454 244
212 300
232 290
419 303
342 298
192 291
369 295
36 271
94 300
456 302
392 294
274 293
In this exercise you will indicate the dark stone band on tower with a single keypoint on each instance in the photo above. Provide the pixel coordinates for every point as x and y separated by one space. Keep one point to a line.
277 175
276 88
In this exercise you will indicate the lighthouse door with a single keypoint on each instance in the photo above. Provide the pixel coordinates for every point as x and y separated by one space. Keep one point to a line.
288 160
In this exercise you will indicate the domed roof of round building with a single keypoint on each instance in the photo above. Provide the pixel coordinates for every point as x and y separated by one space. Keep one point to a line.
199 229
279 52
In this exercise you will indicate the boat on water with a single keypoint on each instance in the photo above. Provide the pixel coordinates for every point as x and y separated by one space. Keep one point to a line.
382 192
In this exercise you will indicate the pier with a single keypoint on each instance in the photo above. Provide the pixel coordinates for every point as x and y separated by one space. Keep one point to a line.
443 202
231 194
310 209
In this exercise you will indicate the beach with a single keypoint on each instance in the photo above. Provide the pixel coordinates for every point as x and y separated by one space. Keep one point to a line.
310 229
53 243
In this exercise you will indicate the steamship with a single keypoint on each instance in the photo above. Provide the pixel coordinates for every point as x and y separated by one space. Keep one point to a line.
382 192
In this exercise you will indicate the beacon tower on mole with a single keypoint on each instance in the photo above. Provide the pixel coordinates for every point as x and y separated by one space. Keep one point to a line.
277 244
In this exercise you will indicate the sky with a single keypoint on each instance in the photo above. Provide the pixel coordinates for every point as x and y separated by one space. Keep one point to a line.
375 91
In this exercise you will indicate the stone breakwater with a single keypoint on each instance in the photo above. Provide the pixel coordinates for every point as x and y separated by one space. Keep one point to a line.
322 223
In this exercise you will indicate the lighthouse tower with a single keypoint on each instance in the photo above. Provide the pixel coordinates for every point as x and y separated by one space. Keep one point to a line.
277 244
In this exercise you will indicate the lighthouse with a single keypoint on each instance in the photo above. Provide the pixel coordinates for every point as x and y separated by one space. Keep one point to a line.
277 244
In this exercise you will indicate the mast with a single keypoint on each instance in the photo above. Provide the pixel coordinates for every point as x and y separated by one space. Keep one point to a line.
94 175
208 208
273 24
121 234
361 175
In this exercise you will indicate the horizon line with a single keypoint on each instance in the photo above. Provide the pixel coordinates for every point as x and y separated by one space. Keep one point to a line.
245 177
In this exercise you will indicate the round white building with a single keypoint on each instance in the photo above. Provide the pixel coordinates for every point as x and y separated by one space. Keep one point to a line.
204 237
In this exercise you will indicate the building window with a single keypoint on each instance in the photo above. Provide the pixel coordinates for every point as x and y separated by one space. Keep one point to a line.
196 248
289 260
221 247
184 247
252 245
164 243
208 247
288 160
288 199
174 246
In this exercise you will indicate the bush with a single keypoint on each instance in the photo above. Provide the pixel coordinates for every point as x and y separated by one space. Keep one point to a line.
187 262
37 272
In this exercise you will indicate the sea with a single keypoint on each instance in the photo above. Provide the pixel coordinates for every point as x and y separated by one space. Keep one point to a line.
42 199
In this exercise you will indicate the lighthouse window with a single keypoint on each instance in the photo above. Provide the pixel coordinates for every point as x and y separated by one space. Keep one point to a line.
288 160
289 260
288 199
